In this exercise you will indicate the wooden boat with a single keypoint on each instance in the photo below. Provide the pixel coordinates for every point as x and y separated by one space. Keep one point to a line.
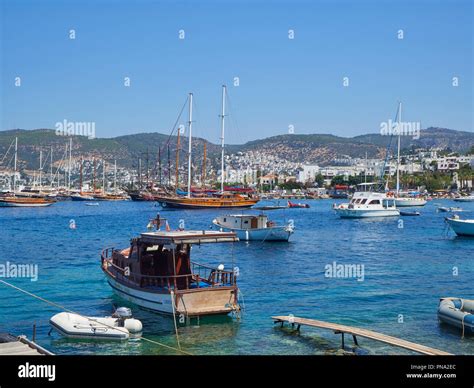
208 199
222 201
141 196
82 197
250 227
297 205
457 312
156 273
110 197
14 201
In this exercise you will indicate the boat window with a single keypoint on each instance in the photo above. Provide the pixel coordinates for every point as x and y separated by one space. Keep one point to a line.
246 222
374 202
363 201
225 219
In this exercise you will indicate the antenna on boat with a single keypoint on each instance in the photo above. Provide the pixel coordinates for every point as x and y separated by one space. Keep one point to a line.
224 89
190 140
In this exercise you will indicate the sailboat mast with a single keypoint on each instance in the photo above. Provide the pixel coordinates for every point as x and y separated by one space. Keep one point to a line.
177 159
41 170
365 169
398 151
159 165
51 167
140 173
169 165
93 175
103 176
147 159
222 136
80 178
190 141
203 176
70 163
115 176
16 157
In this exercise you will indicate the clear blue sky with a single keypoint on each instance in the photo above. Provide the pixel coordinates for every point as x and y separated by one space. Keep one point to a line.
282 82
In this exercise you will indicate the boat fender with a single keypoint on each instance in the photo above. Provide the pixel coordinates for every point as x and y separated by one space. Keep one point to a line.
133 325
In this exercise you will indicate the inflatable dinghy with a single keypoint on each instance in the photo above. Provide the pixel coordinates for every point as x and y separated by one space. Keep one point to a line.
457 312
120 326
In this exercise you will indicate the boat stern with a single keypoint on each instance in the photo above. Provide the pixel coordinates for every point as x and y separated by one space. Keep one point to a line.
207 301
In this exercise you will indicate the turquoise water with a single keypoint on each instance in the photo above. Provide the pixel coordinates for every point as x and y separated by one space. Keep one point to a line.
407 270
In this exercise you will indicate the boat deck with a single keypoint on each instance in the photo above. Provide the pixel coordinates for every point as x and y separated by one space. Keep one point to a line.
355 331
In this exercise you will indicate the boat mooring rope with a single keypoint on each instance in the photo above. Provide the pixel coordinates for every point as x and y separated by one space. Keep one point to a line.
173 301
73 312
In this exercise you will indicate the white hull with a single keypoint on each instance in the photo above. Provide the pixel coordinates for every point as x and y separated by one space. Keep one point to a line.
462 227
76 326
278 233
149 300
465 199
12 204
367 213
408 202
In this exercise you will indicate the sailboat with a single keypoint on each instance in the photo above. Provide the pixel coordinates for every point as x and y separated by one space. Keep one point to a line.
403 199
219 200
22 201
81 196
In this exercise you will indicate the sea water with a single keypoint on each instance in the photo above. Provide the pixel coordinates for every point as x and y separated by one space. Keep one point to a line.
408 263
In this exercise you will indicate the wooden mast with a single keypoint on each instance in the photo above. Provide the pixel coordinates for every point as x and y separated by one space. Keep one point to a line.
93 175
80 179
177 160
159 164
203 176
169 165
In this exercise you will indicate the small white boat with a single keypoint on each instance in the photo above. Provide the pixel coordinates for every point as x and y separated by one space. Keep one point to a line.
409 201
120 326
250 227
450 209
409 214
457 312
469 198
92 204
367 203
461 227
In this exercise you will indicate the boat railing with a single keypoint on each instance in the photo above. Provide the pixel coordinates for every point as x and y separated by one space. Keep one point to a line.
201 276
213 275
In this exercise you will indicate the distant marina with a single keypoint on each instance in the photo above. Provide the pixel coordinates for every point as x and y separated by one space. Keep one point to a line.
147 291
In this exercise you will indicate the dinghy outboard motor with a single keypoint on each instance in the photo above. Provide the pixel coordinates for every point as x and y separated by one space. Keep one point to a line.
124 319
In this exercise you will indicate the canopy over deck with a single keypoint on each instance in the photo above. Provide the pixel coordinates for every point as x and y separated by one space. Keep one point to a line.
188 237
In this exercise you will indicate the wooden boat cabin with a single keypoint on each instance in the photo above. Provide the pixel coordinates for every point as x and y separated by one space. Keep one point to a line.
156 272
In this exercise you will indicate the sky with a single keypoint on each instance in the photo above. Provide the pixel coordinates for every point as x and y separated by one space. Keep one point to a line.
284 85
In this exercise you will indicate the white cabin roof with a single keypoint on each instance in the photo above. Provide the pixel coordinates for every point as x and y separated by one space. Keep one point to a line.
188 237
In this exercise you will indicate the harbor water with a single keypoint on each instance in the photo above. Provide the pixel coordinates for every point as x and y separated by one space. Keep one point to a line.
405 265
